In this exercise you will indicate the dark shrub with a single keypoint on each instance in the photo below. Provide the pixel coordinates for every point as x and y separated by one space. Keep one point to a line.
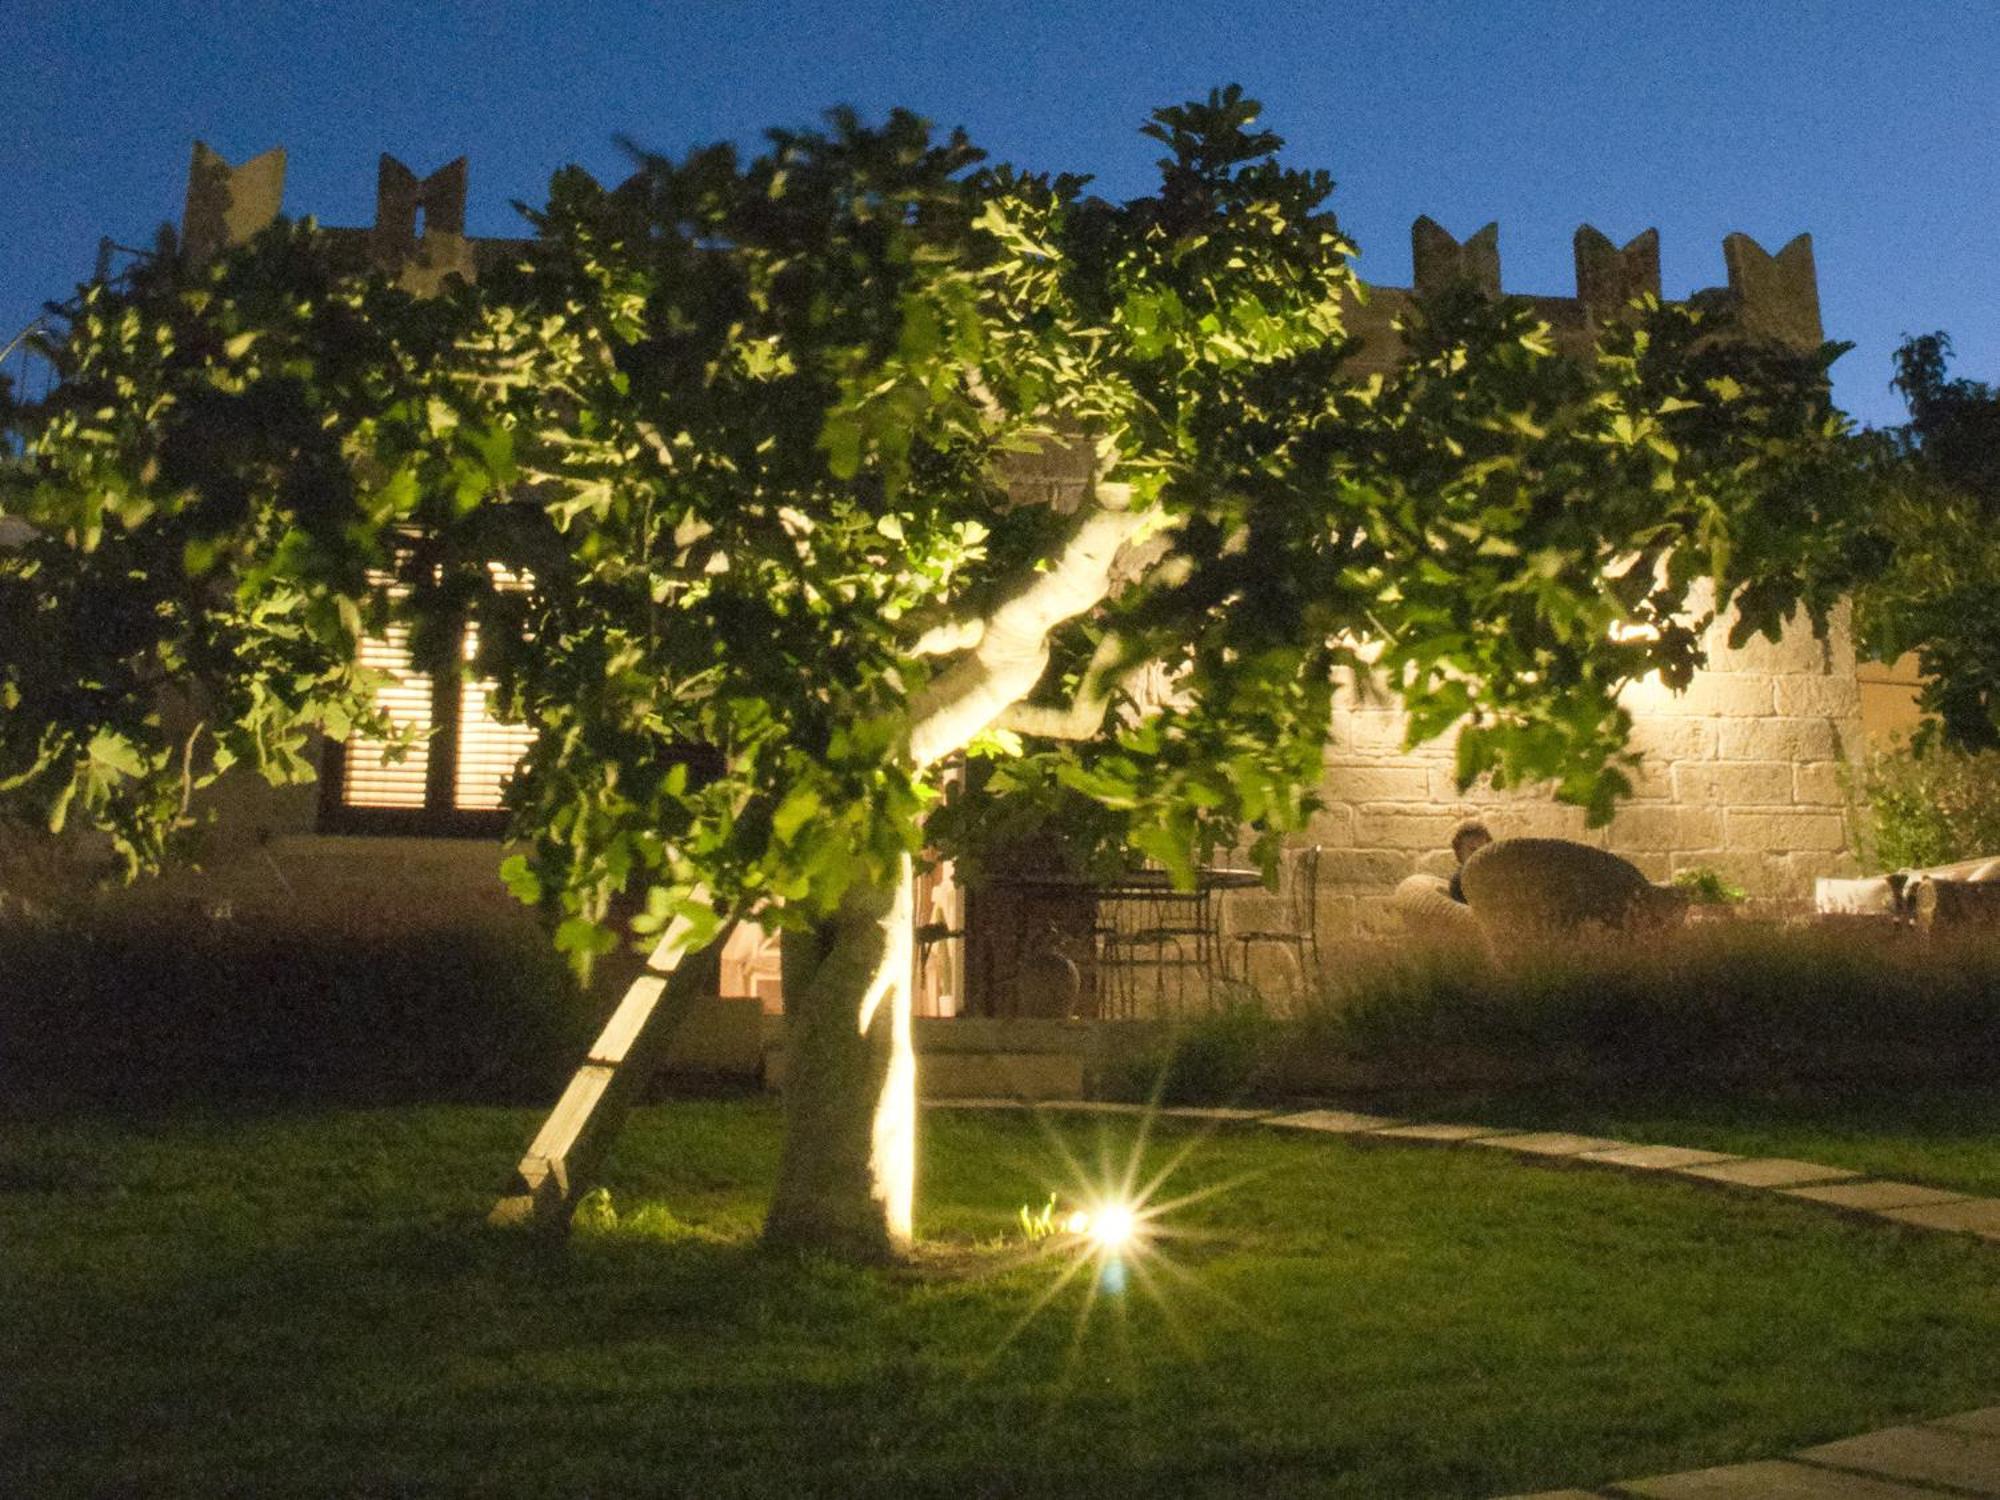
147 1005
1737 1002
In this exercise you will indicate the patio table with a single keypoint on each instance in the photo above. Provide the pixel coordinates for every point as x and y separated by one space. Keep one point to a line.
1081 944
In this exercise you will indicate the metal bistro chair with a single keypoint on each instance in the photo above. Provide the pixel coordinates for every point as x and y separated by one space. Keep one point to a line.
1299 889
1150 930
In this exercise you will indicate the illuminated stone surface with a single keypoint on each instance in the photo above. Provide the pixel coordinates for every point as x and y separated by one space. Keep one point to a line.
1875 1194
1769 1481
1980 1216
1657 1158
1440 1132
1332 1121
1967 1461
1768 1172
1185 1112
1986 1422
1549 1143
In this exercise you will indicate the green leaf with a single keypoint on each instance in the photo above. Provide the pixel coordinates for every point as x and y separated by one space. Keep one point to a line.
800 806
840 440
583 937
113 751
522 882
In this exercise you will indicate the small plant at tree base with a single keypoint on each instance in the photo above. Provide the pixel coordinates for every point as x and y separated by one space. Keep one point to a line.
1040 1224
595 1211
1708 887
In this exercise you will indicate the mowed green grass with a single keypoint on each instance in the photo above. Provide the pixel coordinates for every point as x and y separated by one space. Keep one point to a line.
307 1304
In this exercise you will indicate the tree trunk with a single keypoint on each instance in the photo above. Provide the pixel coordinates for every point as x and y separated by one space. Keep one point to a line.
847 1175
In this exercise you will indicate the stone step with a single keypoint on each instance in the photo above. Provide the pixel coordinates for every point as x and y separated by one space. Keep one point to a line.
976 1075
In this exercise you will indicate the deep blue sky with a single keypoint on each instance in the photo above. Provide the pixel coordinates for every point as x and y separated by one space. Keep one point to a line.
1876 126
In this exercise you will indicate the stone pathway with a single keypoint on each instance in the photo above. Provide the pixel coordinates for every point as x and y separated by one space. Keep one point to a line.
1948 1456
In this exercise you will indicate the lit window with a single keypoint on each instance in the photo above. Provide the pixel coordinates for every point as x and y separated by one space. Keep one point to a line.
448 783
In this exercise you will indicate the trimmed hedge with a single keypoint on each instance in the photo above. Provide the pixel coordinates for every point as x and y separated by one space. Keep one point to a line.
1721 1005
149 1006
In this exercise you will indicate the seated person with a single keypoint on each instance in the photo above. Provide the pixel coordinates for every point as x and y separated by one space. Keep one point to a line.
1466 840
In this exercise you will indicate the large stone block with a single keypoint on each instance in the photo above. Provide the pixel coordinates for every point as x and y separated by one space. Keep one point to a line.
1783 832
1804 695
1438 862
1376 918
1803 868
1820 782
1652 779
1376 730
1757 873
1545 820
1482 797
1376 781
1735 783
1651 865
1798 650
1380 868
1740 695
1673 740
1331 826
1336 917
1778 739
1662 830
1400 827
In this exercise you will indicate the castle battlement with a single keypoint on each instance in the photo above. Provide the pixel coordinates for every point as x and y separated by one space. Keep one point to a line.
419 237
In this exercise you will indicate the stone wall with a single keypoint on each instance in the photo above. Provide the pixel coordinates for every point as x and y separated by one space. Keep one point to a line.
1742 773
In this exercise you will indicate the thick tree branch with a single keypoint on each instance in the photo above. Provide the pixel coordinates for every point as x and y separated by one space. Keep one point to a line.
1083 716
1013 648
950 638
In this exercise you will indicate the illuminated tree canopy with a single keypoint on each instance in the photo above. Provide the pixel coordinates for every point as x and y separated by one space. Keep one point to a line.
748 426
1938 592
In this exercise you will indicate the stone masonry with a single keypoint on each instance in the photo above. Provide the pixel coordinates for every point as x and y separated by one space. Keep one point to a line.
1742 773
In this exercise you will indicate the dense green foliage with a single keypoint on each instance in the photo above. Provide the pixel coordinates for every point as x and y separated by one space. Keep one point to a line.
300 1305
1933 808
745 425
1939 594
157 1003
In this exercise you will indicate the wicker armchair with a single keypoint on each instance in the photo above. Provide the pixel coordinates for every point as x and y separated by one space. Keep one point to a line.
1430 915
1523 887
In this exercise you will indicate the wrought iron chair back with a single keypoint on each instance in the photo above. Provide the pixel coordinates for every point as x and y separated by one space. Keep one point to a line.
1300 936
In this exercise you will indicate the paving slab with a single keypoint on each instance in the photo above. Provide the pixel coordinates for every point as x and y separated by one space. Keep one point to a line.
1769 1172
1980 1216
1218 1112
1874 1194
1966 1461
1549 1143
971 1103
1332 1121
1440 1132
1658 1158
1986 1422
1774 1480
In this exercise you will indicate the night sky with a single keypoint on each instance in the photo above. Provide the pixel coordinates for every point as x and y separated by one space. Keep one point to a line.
1875 126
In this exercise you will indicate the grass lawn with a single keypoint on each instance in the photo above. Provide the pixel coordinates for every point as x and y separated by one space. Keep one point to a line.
307 1304
1945 1136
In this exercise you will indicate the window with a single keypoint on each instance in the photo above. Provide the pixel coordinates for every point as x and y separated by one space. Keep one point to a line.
448 784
